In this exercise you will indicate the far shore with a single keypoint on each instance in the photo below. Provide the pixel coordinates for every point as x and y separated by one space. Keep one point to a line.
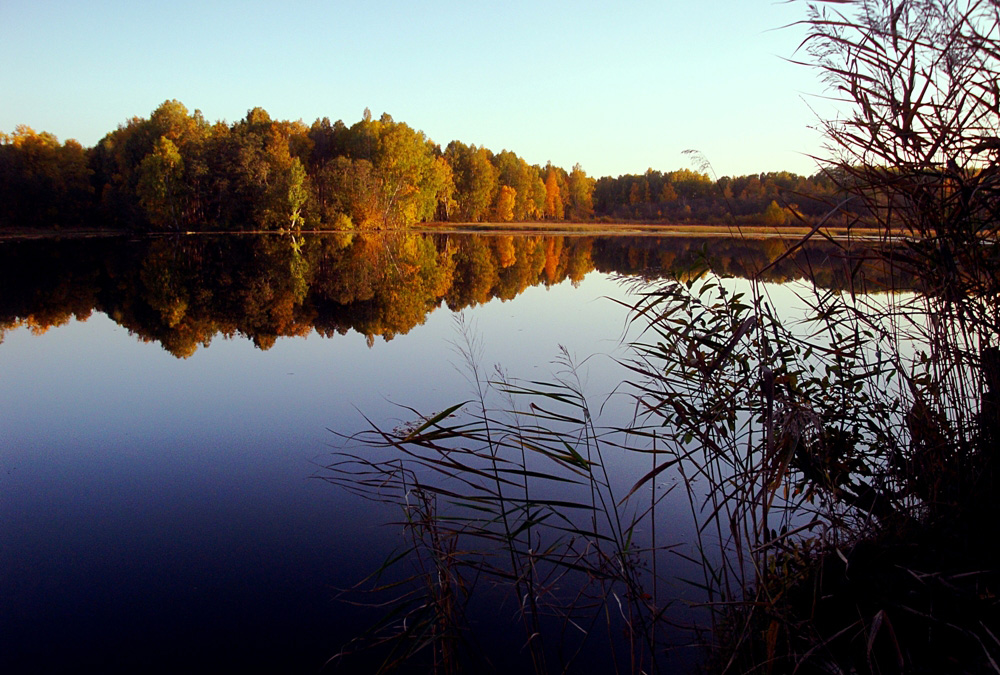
549 228
654 229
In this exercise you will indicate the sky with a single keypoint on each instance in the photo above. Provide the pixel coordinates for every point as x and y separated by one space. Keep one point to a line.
616 87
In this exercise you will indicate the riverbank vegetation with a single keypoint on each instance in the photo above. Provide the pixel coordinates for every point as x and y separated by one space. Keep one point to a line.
837 469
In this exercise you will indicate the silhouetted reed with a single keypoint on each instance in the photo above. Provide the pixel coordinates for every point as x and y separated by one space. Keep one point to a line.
837 467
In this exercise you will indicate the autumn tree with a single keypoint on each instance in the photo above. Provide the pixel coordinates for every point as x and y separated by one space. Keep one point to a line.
553 195
390 172
506 198
329 142
475 181
353 189
774 215
160 188
524 179
255 180
117 162
409 178
581 189
446 202
42 183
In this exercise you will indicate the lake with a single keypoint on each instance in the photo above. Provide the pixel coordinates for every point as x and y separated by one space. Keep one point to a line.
170 404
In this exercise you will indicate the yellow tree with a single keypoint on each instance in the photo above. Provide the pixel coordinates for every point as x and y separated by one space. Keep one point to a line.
444 179
774 215
553 198
506 198
398 179
516 173
581 191
535 207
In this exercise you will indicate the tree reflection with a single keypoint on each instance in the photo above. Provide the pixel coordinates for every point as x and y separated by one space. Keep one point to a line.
181 292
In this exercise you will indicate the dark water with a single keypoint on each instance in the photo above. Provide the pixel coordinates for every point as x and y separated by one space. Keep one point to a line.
168 405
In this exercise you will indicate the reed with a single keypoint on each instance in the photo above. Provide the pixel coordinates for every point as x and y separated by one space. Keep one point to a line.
900 431
516 481
837 469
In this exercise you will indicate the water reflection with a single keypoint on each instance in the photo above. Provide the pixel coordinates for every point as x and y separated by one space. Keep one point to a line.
155 507
182 292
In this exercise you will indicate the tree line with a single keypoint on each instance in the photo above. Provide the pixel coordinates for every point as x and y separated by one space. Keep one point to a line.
176 171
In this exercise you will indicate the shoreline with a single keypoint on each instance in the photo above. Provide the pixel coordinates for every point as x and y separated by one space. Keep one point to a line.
526 228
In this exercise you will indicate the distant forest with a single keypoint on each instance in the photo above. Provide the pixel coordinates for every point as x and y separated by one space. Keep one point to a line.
176 171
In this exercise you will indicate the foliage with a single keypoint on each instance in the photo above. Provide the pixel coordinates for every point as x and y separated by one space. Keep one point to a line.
176 171
839 470
896 582
43 183
691 196
475 180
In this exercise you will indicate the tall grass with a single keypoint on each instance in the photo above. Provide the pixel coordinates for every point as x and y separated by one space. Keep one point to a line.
802 449
837 470
513 488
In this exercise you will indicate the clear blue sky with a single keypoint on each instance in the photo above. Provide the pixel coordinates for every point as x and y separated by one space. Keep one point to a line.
617 87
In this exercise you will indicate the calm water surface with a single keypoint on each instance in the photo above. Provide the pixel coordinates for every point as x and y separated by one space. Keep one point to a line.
158 512
163 514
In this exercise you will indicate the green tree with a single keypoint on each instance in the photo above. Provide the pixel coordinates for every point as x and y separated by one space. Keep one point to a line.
475 181
402 174
256 184
161 175
117 162
329 142
408 177
298 193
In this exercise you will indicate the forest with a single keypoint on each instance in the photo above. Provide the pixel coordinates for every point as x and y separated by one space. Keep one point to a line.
176 171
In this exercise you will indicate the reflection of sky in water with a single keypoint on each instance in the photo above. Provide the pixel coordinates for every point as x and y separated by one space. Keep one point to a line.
151 505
